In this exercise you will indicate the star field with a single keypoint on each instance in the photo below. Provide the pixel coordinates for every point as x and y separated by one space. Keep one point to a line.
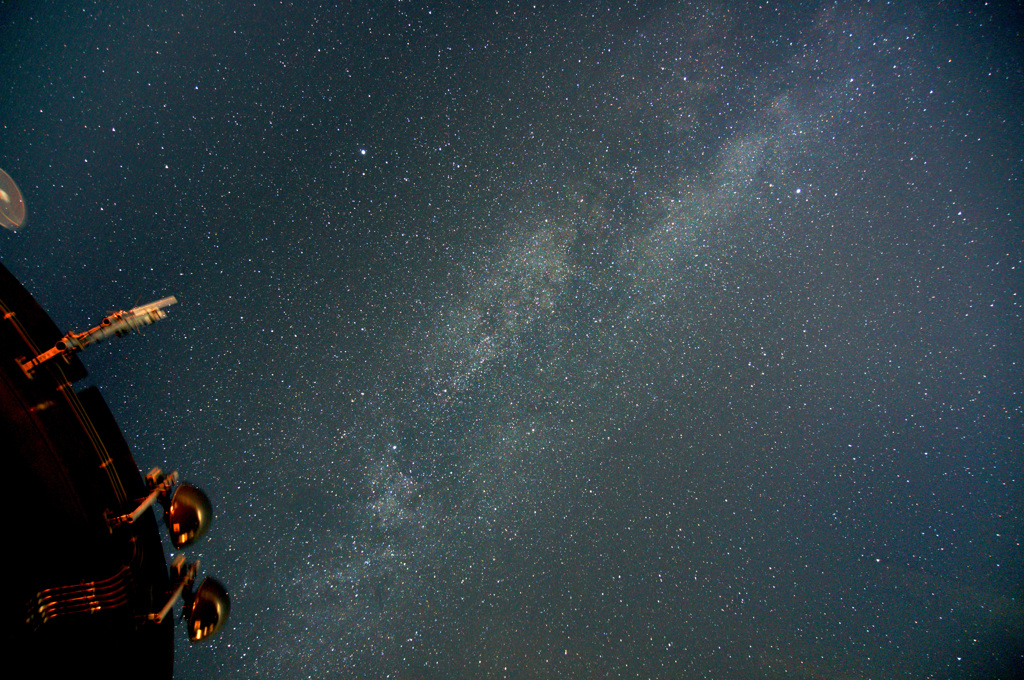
555 340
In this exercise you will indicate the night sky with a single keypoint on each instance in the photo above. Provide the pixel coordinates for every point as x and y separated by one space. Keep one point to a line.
556 340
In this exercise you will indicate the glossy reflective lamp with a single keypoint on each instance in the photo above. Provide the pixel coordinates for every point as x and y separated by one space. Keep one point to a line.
188 515
208 610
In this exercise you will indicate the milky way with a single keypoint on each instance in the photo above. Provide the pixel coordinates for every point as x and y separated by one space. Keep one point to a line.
554 341
575 313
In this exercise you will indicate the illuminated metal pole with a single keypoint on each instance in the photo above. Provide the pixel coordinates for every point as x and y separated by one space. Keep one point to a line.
159 490
186 579
118 323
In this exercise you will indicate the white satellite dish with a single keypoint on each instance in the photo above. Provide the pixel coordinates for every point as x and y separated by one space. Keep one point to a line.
12 206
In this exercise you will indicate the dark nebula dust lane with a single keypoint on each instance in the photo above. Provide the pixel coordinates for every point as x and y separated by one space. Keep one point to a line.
667 340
